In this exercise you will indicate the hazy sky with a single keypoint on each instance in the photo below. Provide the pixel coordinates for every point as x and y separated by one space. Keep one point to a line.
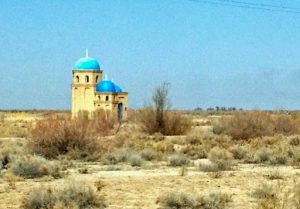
212 55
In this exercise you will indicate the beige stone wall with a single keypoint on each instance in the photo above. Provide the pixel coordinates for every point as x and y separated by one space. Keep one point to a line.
111 104
83 90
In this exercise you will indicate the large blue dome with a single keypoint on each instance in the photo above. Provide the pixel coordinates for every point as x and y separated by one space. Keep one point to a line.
87 63
106 86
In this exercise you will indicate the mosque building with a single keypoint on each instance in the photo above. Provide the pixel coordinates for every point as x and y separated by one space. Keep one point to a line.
90 92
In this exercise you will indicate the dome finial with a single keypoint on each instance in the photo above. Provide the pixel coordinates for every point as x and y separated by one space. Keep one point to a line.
86 52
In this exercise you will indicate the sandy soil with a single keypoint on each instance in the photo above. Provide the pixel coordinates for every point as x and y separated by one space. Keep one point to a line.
133 188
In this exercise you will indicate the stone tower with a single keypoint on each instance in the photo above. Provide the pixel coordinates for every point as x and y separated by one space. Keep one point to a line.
86 75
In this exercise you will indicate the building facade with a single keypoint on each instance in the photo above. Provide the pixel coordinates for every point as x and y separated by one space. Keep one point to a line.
90 92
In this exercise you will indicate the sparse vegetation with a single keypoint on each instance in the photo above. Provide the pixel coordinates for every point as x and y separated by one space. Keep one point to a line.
178 159
181 200
262 155
71 196
157 117
221 158
251 124
269 198
131 154
52 137
148 154
34 167
135 160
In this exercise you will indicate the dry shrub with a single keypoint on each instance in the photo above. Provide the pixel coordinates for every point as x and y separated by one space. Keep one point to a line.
265 191
174 123
294 141
52 137
269 197
72 196
34 167
284 124
117 156
245 125
178 200
263 155
8 150
148 154
274 175
279 159
135 160
123 155
208 167
196 136
216 201
103 123
295 200
251 124
181 200
178 159
221 158
13 129
238 152
148 121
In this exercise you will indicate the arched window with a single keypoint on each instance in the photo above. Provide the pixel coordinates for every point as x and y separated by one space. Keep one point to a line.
77 79
106 98
97 78
99 97
87 79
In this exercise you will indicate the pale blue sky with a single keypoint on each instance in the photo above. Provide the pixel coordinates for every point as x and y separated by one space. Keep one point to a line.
212 55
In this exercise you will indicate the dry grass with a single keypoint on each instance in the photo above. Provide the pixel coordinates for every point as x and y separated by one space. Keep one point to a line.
174 123
34 167
52 137
182 200
178 159
71 196
221 158
251 124
271 197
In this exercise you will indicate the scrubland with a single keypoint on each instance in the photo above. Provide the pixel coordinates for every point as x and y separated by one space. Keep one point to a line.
246 159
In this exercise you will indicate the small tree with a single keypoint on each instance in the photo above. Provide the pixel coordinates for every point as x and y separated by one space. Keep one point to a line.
161 103
157 117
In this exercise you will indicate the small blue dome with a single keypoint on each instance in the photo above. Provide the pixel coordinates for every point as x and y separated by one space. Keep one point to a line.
106 86
87 63
118 88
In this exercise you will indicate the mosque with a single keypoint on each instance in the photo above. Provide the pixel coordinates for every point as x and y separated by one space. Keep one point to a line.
90 92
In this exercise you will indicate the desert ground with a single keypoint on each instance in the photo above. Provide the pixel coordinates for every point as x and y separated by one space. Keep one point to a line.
146 182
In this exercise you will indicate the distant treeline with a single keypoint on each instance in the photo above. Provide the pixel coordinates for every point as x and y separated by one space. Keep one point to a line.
217 108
